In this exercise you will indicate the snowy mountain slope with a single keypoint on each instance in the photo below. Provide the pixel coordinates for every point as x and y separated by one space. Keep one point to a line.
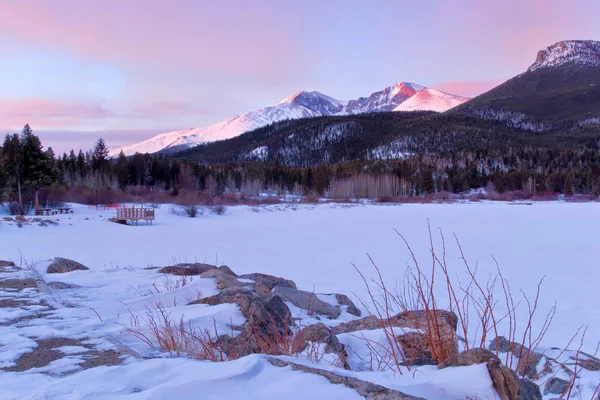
177 140
303 104
431 100
582 52
384 100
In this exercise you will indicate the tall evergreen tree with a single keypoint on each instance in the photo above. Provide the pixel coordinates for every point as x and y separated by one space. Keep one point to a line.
12 156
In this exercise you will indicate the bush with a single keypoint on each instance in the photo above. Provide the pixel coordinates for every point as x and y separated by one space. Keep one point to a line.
23 209
219 209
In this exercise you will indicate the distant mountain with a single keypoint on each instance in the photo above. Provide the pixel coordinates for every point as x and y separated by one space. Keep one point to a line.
431 100
384 100
179 140
559 91
303 104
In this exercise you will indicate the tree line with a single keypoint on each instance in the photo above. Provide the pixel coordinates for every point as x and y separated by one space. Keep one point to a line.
26 169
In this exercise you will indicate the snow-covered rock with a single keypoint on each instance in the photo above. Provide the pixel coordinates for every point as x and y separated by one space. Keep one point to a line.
431 100
581 52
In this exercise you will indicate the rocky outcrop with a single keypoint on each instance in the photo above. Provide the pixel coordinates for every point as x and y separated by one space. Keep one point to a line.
186 269
368 390
504 380
307 301
60 265
7 264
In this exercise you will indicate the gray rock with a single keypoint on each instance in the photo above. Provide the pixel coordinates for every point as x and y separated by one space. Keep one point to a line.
368 390
62 265
528 390
186 269
416 349
307 301
7 263
556 386
345 301
269 281
504 380
527 367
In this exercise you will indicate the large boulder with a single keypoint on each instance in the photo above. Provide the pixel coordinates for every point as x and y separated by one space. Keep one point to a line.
60 265
307 301
186 269
504 380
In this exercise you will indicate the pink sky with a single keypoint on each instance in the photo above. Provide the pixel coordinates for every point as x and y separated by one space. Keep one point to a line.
119 66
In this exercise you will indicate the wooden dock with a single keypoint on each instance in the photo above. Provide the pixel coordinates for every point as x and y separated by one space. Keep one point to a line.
135 215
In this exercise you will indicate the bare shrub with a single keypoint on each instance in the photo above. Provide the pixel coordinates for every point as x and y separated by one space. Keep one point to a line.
24 208
463 299
219 209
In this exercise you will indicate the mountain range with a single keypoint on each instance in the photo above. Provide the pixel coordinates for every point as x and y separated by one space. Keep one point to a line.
555 103
304 104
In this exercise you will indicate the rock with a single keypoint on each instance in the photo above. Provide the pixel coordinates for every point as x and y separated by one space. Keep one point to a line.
9 219
527 367
186 269
61 265
320 333
269 281
367 323
236 295
226 270
587 361
345 301
504 380
307 301
62 285
7 263
368 390
556 386
20 225
416 349
20 218
528 390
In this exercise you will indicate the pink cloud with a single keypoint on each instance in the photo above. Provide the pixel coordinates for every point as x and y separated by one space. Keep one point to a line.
53 114
468 88
192 35
48 113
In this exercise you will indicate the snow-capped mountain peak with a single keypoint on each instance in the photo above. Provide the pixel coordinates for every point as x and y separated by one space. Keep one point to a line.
581 52
316 102
431 100
384 100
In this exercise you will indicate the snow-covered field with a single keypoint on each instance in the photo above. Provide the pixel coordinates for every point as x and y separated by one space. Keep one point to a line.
313 245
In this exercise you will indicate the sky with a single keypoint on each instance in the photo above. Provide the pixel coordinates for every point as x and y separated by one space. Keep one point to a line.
126 70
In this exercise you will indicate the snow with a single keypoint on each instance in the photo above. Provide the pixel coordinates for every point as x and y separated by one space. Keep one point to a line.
581 52
312 245
431 100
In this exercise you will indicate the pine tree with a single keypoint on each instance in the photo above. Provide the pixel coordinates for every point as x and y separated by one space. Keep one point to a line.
100 156
12 155
38 168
